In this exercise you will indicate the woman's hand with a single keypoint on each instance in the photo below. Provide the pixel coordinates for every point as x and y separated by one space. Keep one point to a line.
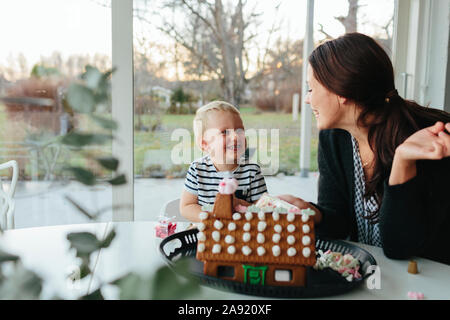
302 204
431 143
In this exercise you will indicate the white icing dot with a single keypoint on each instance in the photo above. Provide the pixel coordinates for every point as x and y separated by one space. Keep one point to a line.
276 251
236 216
203 215
231 250
306 252
305 228
246 250
291 228
248 216
218 224
201 236
246 237
261 251
306 240
277 228
290 216
201 247
216 248
262 226
261 215
216 236
275 216
260 238
201 226
232 226
229 239
247 226
291 252
276 237
305 217
290 240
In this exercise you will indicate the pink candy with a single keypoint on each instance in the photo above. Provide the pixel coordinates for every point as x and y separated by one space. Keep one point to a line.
415 295
240 208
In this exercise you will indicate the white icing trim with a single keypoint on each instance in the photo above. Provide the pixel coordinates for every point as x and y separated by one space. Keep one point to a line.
306 252
231 226
260 238
305 228
218 224
216 236
203 215
201 247
290 216
261 251
275 216
291 252
276 238
201 236
306 240
276 251
231 249
216 248
246 250
291 228
278 228
305 217
237 216
290 240
262 226
201 226
248 216
229 239
261 215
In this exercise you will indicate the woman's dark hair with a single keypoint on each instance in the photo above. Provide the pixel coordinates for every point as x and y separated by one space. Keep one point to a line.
356 67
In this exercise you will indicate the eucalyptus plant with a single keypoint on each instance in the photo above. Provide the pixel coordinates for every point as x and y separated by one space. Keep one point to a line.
90 96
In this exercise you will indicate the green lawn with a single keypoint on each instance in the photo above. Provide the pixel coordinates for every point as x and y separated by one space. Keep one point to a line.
289 141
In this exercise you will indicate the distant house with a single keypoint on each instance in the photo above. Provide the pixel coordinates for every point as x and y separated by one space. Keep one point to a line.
163 94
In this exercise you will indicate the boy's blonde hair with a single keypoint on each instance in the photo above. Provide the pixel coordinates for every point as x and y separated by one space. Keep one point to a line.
201 117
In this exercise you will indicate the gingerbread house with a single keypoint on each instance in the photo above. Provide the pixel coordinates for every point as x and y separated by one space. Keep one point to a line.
265 246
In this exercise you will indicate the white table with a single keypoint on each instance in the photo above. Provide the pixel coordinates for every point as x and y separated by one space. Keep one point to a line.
136 248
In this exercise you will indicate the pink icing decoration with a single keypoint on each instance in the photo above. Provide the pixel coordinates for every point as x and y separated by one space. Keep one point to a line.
240 208
416 295
228 186
294 210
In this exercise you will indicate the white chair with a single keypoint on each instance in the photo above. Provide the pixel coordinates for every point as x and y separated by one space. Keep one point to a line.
7 203
172 209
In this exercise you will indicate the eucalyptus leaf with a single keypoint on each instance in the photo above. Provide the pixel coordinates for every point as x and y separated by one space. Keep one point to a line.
96 295
83 242
21 284
80 208
92 77
81 98
77 139
84 176
108 239
168 285
133 286
85 270
5 257
119 180
109 163
104 122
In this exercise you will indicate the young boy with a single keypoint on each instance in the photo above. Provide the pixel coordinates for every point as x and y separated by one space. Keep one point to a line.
219 132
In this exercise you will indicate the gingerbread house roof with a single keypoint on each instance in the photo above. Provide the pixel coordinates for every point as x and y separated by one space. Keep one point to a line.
256 236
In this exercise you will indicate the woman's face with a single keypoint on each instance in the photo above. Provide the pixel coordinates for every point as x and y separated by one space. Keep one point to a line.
326 106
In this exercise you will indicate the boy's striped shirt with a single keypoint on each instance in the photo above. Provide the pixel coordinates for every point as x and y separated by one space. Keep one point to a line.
202 180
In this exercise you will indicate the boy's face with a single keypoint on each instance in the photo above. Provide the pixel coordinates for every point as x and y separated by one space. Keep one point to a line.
224 138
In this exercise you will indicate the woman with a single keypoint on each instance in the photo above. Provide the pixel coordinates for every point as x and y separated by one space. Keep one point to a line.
383 161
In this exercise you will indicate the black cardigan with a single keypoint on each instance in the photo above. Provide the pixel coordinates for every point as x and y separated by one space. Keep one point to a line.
414 216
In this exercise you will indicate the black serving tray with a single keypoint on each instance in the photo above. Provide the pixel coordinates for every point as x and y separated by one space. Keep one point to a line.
320 283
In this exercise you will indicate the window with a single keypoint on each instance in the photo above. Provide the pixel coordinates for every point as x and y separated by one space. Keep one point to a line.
225 271
283 275
46 45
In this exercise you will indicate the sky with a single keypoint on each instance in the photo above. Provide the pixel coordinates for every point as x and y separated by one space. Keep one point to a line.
39 27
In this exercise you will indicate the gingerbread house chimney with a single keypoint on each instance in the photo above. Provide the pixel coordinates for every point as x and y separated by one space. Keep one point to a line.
223 205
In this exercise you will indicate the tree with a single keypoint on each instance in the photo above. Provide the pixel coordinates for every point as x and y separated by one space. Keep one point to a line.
216 38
